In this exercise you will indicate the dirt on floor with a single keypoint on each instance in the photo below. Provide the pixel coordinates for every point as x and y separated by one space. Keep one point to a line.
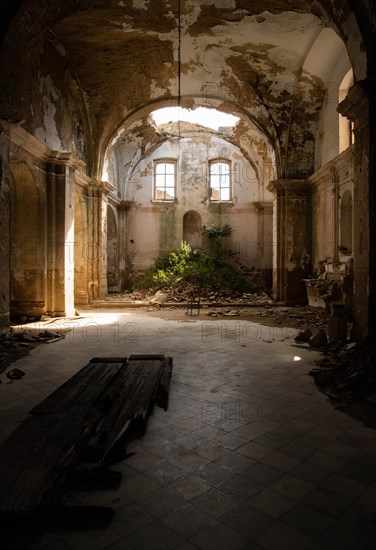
346 372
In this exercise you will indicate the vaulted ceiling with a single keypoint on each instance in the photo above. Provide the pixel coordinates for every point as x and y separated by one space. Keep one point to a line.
270 62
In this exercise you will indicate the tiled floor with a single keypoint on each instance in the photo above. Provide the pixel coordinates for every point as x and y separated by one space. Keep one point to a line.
249 455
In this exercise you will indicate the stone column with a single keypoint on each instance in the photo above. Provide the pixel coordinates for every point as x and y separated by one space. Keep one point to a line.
81 282
60 236
97 219
264 210
4 227
292 239
356 107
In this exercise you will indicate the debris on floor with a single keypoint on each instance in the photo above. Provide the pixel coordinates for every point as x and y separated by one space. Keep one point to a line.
347 375
15 374
319 339
20 341
304 336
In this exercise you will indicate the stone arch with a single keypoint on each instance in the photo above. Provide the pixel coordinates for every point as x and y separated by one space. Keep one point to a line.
27 242
112 252
192 229
266 130
346 229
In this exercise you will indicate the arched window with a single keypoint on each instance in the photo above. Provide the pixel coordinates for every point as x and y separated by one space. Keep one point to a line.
346 126
220 180
164 180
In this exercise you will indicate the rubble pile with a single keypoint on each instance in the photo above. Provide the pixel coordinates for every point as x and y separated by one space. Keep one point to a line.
347 375
18 343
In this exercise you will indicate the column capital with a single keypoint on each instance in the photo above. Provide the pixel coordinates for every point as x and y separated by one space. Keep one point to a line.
355 106
282 187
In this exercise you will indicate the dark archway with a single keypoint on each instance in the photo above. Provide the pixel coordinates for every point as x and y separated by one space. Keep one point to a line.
112 252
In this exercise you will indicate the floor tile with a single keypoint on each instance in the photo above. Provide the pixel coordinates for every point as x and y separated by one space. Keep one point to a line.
159 502
340 537
213 473
188 461
307 520
282 537
155 536
327 502
247 520
187 487
293 487
272 502
311 473
344 486
234 461
288 469
281 461
187 520
254 450
130 519
215 502
262 473
164 472
219 537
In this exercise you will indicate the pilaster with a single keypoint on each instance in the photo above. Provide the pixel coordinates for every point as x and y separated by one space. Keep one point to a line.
292 239
356 108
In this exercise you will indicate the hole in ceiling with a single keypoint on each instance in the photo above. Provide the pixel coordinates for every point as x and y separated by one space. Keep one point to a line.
210 118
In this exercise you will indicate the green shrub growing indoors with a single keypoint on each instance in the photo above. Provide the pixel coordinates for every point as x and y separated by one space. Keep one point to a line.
189 265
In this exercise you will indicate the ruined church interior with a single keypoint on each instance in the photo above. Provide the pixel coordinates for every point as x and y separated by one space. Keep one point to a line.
126 128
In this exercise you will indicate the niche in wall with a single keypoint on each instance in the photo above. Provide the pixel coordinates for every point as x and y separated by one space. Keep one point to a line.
192 229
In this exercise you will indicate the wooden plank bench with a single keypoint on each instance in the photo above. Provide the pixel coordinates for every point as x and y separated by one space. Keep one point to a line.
95 407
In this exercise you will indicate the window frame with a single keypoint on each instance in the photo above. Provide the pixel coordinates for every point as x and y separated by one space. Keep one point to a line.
164 174
221 187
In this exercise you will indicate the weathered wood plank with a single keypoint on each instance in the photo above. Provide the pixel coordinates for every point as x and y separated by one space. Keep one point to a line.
133 393
98 404
84 386
164 384
35 458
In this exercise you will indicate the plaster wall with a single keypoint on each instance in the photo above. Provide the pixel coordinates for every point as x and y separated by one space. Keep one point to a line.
28 246
324 245
156 226
337 65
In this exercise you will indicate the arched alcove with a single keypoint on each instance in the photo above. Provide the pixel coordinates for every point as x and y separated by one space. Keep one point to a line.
112 252
192 229
346 229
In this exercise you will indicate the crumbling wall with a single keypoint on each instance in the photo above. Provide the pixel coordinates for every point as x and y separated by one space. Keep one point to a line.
45 96
157 226
325 245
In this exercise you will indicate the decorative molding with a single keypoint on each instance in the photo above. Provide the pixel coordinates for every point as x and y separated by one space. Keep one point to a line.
282 187
323 176
22 140
81 179
67 159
